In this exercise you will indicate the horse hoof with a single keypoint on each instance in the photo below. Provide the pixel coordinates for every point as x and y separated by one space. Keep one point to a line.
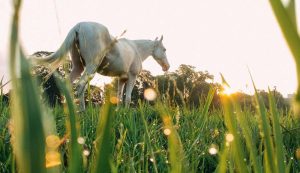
80 110
77 101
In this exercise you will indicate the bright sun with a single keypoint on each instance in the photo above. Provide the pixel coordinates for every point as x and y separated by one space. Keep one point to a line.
228 91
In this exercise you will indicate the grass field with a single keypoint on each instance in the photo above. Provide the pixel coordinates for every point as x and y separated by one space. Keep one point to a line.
138 138
149 137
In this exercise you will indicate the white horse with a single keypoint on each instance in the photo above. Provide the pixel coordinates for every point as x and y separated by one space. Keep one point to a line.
93 50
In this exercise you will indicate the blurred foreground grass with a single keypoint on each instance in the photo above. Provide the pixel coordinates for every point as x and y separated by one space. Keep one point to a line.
139 136
157 138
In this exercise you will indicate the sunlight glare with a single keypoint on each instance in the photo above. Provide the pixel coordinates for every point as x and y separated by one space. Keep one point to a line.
228 91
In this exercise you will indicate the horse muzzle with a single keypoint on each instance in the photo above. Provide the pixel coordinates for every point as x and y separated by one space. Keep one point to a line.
165 67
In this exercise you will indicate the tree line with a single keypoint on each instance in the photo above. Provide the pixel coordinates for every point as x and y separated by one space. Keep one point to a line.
184 87
189 87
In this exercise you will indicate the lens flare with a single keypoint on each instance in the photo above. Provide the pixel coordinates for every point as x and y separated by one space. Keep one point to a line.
229 137
52 159
114 100
86 152
297 154
52 141
81 140
150 94
228 91
167 131
213 150
151 159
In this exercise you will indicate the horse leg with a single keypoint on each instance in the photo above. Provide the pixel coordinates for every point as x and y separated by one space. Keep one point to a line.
89 73
129 87
77 66
121 83
82 100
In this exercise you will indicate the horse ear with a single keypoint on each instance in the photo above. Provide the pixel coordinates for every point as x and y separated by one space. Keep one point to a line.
161 38
156 39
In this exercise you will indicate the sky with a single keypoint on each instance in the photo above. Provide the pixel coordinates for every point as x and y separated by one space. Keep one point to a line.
217 36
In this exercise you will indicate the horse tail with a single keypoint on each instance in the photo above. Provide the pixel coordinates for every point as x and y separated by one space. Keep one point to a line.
57 57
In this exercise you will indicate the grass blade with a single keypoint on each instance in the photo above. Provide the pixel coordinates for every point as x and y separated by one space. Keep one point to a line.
26 112
231 124
176 153
204 113
288 27
292 12
241 117
75 159
30 139
104 138
277 134
148 137
209 99
266 132
222 165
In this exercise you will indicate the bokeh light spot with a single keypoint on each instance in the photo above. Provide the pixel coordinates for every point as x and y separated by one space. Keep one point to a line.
52 141
213 150
150 94
86 152
167 131
297 154
81 140
52 159
114 100
229 137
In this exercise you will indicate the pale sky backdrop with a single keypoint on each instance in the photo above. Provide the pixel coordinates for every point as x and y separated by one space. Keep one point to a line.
220 36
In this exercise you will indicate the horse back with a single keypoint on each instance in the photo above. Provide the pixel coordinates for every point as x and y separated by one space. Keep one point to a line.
120 60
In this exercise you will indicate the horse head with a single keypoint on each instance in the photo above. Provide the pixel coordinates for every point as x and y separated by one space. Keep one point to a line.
159 54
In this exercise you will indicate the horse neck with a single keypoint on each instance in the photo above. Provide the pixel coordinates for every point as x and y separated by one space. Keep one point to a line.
145 48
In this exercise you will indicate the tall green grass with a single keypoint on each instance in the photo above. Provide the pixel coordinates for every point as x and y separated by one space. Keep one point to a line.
132 152
286 17
28 133
271 155
148 138
34 150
